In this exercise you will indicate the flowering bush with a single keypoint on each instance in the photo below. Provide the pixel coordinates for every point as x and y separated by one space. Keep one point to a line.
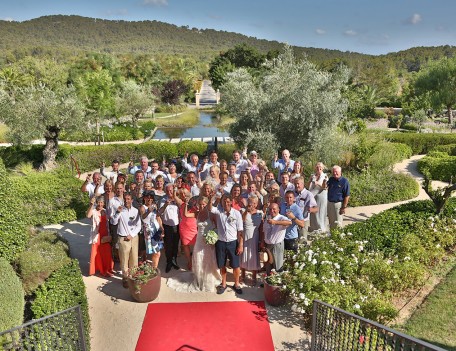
142 273
360 267
277 278
211 237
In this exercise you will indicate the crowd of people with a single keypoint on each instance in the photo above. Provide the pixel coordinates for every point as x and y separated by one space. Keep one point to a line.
251 208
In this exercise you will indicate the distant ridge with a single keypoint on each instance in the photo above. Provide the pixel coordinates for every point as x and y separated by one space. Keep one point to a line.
63 36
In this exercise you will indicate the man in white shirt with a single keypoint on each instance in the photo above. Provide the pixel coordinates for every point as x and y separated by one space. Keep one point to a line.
112 175
111 207
128 226
193 183
94 188
286 185
155 170
230 243
193 166
241 164
205 167
143 166
274 229
169 213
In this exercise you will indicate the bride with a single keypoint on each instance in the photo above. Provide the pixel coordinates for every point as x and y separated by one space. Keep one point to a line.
205 275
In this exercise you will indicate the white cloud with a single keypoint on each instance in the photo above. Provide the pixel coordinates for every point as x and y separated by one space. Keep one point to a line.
320 31
156 2
8 19
350 33
414 19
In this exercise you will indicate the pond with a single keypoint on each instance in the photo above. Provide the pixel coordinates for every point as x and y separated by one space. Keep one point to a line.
205 128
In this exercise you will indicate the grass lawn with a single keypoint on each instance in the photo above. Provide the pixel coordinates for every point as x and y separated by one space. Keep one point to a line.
187 118
435 320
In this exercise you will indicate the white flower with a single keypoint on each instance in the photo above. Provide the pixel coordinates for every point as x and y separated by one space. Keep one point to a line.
294 257
337 265
294 308
302 296
349 234
296 265
437 246
356 307
306 302
301 285
407 258
324 252
342 282
360 248
314 261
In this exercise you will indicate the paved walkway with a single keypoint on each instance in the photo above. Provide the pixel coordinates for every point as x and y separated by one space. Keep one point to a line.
116 320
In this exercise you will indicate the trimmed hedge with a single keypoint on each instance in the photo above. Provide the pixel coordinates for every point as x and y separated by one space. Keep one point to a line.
48 197
14 155
225 152
386 154
90 157
13 234
11 297
439 165
450 149
380 187
422 143
63 289
45 253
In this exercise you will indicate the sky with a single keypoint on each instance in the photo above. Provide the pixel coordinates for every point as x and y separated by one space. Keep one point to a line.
367 26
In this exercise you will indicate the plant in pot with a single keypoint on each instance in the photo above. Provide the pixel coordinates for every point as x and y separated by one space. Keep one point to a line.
144 281
275 289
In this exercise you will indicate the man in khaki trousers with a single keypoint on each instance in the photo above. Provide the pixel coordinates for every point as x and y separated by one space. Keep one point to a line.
128 224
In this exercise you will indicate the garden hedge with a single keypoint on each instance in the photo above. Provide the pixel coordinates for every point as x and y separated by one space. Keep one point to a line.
380 187
13 223
225 152
11 297
63 289
450 149
90 158
45 253
422 143
439 165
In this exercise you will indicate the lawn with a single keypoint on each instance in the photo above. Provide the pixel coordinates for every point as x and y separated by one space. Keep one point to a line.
435 320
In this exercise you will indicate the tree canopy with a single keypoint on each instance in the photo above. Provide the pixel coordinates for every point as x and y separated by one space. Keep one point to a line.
291 106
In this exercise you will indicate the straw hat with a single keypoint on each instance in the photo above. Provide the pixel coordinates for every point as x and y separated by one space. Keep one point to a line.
266 256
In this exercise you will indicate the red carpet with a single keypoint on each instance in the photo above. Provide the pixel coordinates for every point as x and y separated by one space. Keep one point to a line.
206 326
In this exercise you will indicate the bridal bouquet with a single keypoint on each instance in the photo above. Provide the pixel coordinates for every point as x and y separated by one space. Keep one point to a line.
211 237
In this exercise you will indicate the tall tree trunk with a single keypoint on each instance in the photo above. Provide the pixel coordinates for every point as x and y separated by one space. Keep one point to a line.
450 115
50 149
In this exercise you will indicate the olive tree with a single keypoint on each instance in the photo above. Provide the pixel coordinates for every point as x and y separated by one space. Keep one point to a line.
293 104
437 81
39 112
134 100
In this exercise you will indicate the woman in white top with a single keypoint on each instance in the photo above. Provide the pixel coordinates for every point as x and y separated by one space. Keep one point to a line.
171 175
317 186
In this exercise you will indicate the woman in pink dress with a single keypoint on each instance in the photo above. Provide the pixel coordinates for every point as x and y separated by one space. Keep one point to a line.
187 225
100 255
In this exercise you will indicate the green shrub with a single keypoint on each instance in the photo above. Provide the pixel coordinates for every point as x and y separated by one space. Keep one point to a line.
63 289
450 149
192 147
48 197
439 166
379 114
46 252
89 158
14 155
422 143
170 108
380 187
225 151
146 127
11 297
410 126
13 234
385 155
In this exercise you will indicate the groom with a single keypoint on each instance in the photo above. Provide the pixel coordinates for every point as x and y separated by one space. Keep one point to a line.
230 241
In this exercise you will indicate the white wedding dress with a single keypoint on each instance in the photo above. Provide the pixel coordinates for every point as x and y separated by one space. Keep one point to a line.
205 275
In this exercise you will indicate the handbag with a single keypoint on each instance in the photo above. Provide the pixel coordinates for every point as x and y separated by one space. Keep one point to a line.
106 239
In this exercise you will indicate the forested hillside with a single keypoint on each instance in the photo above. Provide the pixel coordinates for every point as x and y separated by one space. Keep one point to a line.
64 36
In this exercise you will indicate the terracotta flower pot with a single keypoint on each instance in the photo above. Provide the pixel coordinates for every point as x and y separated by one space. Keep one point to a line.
147 292
274 295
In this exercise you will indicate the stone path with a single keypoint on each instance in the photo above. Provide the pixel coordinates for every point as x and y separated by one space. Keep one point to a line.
116 320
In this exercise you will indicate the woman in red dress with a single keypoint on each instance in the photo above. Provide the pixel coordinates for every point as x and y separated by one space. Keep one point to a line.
100 255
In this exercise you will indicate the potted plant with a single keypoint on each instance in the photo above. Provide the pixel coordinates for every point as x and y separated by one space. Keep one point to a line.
144 281
274 288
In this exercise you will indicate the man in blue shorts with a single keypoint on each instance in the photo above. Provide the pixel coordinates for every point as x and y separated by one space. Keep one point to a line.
230 241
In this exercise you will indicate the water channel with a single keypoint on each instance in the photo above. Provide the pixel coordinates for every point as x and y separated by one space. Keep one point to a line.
205 128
